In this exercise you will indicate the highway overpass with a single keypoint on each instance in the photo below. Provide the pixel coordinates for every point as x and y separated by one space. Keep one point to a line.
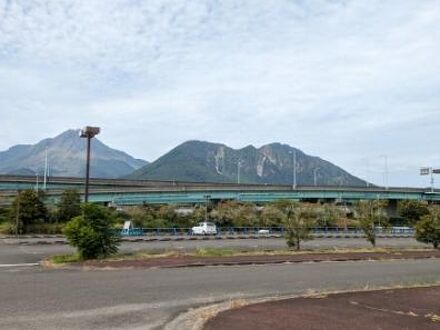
129 192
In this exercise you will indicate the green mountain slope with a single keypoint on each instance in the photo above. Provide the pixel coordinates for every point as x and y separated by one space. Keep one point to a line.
272 163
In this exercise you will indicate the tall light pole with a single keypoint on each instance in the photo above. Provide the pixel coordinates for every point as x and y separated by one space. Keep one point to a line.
206 208
293 168
314 175
367 171
238 171
430 171
46 171
385 175
88 132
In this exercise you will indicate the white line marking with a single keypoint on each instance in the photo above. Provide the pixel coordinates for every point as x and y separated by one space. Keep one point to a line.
20 265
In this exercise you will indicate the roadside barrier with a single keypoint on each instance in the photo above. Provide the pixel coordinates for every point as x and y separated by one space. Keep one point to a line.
264 231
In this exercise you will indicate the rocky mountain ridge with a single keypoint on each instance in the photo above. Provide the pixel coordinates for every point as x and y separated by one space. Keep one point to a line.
271 163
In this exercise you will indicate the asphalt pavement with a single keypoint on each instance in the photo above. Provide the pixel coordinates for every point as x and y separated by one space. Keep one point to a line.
35 298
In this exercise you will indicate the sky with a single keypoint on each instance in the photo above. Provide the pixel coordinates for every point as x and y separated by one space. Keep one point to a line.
354 82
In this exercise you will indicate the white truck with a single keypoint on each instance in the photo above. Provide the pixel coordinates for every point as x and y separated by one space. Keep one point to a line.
204 228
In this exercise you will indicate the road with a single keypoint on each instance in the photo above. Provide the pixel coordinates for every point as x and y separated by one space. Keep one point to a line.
11 252
35 298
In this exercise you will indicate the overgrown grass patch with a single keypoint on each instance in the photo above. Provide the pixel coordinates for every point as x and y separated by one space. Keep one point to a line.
65 258
215 252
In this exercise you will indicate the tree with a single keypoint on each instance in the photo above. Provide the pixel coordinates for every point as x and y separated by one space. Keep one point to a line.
412 210
428 228
27 208
297 220
93 232
328 215
69 205
370 214
271 216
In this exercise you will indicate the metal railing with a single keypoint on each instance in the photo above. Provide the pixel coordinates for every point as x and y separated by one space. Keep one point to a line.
237 231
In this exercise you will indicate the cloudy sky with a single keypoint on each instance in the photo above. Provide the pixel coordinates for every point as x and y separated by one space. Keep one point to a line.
349 81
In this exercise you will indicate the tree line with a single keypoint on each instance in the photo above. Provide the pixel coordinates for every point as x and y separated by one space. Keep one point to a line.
29 214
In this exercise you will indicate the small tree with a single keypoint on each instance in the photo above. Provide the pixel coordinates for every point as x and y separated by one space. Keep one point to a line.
412 210
328 215
69 205
93 232
271 216
428 228
297 220
27 208
370 214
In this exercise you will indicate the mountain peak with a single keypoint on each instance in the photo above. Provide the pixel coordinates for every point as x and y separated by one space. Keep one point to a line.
215 162
66 156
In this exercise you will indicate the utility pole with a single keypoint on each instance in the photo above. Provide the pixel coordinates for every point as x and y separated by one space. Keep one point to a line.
88 132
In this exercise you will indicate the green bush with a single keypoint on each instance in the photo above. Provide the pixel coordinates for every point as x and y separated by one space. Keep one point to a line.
27 209
428 228
69 205
412 210
93 233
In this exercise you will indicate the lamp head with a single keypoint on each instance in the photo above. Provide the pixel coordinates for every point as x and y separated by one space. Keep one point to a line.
89 132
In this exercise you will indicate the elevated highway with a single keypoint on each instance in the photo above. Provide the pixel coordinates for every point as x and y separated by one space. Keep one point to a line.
129 192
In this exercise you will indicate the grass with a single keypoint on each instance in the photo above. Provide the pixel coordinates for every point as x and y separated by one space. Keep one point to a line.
65 258
215 252
5 228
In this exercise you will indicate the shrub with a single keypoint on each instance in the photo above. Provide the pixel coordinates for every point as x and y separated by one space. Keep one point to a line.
69 205
93 232
370 214
428 228
27 209
412 210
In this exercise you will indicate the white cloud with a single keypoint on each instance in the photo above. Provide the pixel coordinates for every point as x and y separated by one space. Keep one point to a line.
345 80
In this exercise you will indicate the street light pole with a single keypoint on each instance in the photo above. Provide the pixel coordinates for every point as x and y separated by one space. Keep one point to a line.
293 168
385 178
88 132
314 175
206 208
238 171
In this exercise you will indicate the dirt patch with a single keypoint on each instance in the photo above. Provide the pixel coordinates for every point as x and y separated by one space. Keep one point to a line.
192 261
415 308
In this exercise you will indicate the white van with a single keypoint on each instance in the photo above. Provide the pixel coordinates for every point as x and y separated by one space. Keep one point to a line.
204 228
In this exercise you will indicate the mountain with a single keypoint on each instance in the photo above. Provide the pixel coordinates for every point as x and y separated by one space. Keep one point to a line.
66 157
272 163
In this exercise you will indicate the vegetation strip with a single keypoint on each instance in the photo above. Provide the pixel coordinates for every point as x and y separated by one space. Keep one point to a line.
225 257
